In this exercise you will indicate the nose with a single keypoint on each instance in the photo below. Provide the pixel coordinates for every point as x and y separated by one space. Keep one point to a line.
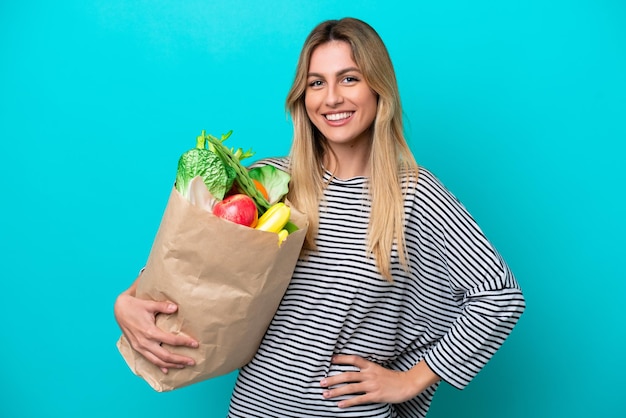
333 95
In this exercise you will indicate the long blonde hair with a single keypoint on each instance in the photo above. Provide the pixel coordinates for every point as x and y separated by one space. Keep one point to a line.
390 155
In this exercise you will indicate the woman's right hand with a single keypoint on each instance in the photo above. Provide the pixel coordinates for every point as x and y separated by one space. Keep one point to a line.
137 320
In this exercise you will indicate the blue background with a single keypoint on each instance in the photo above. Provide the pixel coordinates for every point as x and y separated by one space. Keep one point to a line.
518 106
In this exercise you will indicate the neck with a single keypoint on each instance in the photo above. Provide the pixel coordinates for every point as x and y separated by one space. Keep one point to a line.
348 162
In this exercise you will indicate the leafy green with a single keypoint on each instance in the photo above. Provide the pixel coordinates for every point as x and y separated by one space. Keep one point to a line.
199 161
220 169
213 144
275 181
233 159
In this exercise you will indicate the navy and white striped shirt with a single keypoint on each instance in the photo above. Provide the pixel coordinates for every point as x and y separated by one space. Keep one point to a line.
454 307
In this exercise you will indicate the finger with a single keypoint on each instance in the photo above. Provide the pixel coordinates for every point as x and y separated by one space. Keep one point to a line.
360 395
156 334
171 359
178 340
168 356
349 359
161 356
345 377
357 400
163 365
349 389
166 307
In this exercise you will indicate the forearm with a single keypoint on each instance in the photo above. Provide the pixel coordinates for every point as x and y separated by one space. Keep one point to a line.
476 335
421 377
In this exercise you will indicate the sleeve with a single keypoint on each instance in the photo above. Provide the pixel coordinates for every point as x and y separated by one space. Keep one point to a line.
483 286
281 163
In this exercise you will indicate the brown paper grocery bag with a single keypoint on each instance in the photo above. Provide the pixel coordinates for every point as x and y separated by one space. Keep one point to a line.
227 280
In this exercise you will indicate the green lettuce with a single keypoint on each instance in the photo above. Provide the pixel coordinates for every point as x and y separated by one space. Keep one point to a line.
200 161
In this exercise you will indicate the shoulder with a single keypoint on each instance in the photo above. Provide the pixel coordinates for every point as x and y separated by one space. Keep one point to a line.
428 181
281 163
428 192
423 181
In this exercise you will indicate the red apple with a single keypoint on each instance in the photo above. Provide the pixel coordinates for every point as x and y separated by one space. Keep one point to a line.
238 208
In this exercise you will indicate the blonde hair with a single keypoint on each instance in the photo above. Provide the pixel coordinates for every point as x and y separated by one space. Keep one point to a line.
390 155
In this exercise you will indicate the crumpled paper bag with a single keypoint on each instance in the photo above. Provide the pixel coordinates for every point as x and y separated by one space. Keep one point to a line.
227 281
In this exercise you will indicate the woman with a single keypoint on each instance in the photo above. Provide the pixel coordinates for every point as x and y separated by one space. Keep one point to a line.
397 288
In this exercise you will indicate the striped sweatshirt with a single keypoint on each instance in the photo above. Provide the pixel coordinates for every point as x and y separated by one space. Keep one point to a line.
453 308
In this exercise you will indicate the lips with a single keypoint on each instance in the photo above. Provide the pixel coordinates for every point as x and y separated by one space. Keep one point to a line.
336 117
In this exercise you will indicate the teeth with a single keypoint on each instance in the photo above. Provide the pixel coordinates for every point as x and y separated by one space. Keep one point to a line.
338 116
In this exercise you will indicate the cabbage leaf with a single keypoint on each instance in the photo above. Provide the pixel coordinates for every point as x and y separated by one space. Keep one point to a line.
217 176
275 181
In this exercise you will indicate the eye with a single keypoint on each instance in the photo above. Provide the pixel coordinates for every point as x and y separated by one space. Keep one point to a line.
350 79
315 83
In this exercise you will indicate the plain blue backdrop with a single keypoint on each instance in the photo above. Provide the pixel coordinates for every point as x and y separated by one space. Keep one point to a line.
518 106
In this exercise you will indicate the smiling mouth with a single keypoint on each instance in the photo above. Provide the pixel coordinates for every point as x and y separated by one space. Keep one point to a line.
338 116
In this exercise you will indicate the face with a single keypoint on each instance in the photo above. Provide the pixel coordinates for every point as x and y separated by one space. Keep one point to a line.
338 100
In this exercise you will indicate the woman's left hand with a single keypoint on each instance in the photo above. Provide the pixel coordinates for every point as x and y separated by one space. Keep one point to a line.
376 384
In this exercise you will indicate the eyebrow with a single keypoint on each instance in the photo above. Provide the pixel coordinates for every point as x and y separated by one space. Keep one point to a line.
340 72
